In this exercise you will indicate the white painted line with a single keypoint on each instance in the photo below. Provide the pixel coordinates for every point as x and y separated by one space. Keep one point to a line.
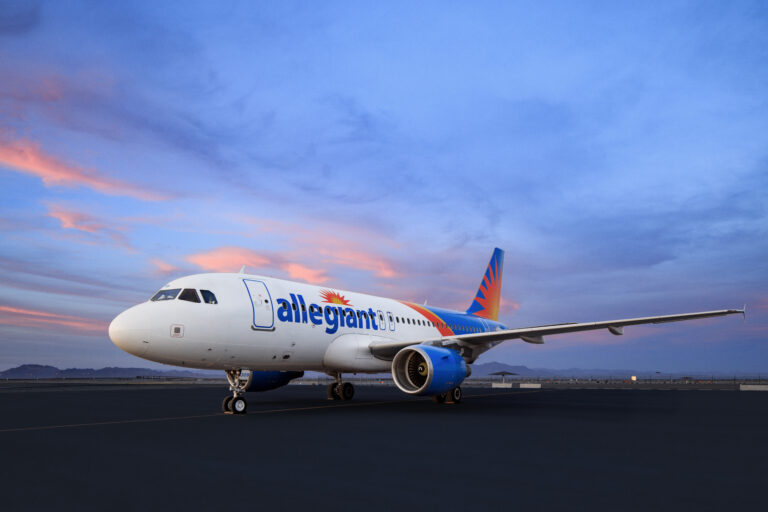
529 385
501 384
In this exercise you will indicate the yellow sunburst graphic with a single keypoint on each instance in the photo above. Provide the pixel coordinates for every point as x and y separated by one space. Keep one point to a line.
332 297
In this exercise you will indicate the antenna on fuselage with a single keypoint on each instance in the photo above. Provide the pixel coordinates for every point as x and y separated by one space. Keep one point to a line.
242 270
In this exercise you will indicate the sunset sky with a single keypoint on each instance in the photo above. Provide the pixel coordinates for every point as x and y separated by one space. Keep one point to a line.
617 151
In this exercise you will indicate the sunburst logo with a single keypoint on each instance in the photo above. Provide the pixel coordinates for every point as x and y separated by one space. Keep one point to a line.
332 297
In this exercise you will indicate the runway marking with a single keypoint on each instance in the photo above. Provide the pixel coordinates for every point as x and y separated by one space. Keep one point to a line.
264 411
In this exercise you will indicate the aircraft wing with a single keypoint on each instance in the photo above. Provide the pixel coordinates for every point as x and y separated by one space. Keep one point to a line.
387 350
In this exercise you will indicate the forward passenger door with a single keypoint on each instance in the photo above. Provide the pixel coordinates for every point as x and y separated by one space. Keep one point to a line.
261 303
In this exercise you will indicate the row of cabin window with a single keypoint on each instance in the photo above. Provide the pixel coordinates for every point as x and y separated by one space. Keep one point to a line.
363 314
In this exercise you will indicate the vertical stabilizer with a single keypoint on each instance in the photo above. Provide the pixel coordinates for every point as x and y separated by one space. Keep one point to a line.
488 297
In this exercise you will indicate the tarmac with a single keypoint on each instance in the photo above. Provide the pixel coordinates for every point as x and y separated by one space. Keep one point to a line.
168 446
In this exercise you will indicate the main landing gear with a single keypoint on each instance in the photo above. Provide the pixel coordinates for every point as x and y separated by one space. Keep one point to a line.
340 390
238 383
449 397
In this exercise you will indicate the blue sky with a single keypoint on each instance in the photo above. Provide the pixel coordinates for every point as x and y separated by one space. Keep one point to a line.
616 151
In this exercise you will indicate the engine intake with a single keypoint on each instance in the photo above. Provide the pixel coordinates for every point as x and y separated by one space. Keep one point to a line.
427 370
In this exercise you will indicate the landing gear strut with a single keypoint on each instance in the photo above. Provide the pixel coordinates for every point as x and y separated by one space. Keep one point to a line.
340 390
238 383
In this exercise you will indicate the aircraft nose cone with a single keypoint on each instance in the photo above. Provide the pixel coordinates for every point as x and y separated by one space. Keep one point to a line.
129 331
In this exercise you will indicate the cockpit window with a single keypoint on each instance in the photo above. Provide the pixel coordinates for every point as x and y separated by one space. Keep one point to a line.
166 294
208 297
189 294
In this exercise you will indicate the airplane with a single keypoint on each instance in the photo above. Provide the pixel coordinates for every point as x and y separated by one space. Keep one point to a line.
265 332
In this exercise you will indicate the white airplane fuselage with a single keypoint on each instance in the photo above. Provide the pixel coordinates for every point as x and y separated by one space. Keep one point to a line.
263 323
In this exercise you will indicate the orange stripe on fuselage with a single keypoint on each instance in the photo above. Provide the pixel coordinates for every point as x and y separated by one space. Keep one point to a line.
445 331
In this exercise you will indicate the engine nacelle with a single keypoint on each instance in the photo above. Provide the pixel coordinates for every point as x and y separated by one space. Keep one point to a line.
427 370
264 381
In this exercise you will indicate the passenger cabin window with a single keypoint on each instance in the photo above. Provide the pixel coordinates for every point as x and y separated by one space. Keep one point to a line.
189 294
208 297
166 295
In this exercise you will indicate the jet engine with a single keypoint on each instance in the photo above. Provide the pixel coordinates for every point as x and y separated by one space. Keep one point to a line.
264 381
427 370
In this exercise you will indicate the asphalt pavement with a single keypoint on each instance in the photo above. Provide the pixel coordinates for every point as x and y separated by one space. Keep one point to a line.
152 447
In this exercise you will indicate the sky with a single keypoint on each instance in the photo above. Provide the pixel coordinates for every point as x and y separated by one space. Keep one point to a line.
617 151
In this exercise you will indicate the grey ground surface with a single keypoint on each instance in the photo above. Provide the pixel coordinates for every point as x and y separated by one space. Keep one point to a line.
150 447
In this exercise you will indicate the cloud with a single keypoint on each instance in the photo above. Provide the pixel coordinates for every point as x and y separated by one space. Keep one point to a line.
355 258
98 101
227 259
761 305
52 273
86 223
27 157
19 317
18 16
77 220
508 307
163 267
298 271
323 242
230 259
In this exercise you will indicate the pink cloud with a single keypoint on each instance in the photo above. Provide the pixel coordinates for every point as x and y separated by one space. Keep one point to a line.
298 271
19 317
163 267
761 305
230 259
227 259
87 223
508 307
346 255
27 157
324 241
76 220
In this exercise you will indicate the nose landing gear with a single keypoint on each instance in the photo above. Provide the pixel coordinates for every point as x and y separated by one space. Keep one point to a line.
239 380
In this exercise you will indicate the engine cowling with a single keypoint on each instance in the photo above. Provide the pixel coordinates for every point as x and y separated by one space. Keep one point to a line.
427 370
264 381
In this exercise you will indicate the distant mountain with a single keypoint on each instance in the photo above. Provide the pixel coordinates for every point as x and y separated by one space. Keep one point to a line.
36 371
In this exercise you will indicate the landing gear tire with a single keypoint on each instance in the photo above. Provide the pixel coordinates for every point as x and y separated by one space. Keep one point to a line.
332 391
239 405
226 405
454 396
346 391
440 399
